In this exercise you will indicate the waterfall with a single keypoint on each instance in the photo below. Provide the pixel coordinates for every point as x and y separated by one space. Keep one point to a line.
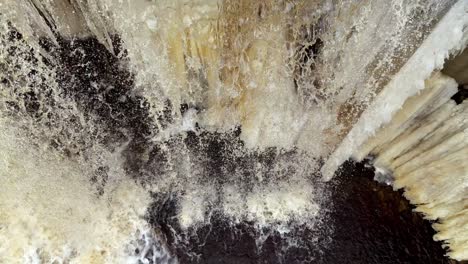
112 109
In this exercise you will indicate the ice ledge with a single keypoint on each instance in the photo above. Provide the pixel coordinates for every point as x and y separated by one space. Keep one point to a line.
448 37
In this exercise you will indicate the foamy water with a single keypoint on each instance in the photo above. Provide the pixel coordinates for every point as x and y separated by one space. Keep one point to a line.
230 106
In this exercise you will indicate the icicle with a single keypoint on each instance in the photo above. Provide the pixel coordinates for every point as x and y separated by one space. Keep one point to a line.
426 150
438 90
450 36
412 136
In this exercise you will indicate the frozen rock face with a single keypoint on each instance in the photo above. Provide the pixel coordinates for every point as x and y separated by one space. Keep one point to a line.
215 107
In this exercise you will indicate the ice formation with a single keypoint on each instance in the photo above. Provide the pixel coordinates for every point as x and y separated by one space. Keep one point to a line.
423 142
448 37
425 148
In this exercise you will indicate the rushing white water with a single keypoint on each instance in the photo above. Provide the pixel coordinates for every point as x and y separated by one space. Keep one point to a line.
231 105
49 211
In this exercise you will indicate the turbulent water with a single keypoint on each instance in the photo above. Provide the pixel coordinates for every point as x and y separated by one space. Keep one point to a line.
126 124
